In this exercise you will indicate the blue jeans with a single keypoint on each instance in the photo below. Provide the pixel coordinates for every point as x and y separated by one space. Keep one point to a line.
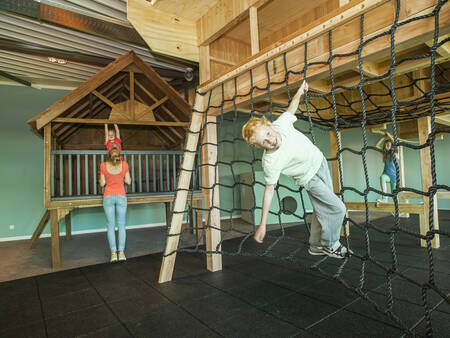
115 205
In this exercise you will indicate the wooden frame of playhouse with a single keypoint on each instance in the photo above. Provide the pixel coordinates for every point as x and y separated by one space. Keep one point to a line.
345 25
127 92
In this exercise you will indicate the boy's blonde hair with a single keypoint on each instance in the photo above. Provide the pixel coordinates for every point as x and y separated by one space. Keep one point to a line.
249 129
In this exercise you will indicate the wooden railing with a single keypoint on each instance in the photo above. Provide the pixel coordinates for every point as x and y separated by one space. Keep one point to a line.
75 173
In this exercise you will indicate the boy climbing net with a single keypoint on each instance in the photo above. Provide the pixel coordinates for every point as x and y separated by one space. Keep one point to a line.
287 151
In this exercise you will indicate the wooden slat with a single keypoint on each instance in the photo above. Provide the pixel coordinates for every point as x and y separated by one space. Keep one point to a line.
47 164
205 64
168 262
424 130
56 250
154 172
140 172
254 35
39 229
68 221
147 181
103 121
78 176
386 207
210 177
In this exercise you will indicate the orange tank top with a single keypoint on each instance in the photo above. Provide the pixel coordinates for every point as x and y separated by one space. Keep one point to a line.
114 182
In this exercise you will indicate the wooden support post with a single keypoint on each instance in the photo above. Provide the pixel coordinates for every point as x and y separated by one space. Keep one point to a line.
424 129
56 252
168 261
335 172
198 219
39 229
47 165
210 178
68 222
401 181
205 64
254 35
167 204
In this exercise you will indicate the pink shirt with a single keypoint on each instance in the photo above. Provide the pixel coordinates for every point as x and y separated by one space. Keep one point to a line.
116 143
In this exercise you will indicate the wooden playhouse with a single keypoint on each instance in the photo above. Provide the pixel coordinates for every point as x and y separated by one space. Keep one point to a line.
152 118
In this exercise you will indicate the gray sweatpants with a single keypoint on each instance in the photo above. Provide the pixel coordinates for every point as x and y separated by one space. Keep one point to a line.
328 210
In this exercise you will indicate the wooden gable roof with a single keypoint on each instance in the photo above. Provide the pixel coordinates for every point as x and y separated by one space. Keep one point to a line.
127 77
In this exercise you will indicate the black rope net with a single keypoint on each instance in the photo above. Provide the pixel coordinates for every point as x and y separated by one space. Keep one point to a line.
371 100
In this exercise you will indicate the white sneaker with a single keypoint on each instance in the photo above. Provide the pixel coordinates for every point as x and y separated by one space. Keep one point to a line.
316 250
336 251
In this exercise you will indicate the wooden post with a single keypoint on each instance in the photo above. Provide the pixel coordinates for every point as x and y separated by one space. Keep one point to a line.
184 179
198 219
39 229
68 222
47 165
335 172
401 181
205 64
254 34
424 129
56 252
210 178
167 204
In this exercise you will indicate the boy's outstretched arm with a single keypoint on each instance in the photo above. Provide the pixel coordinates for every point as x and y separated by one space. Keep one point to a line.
296 99
267 200
117 131
106 133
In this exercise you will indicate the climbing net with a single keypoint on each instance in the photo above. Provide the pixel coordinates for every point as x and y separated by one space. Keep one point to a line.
371 99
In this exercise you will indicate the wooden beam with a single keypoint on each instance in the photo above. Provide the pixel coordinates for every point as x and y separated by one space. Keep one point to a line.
152 107
103 121
444 49
210 178
47 164
166 110
386 207
98 202
68 221
443 119
424 129
132 94
223 16
219 60
39 229
165 33
406 36
56 249
205 64
103 98
184 180
254 35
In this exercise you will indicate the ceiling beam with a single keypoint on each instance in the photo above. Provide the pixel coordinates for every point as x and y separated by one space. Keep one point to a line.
14 78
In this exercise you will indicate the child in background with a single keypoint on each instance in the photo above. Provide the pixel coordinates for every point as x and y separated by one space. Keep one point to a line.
112 138
287 151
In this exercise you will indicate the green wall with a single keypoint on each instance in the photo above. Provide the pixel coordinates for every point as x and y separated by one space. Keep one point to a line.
22 167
